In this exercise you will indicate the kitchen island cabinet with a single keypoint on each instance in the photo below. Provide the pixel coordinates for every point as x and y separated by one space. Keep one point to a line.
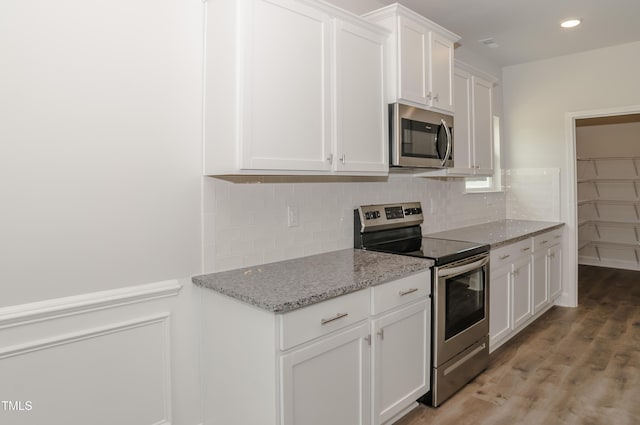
357 358
293 87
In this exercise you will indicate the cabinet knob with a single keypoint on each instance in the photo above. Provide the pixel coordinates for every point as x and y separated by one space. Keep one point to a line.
381 333
429 97
436 97
343 158
330 158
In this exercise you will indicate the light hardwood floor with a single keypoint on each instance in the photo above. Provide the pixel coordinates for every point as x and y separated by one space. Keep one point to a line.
572 366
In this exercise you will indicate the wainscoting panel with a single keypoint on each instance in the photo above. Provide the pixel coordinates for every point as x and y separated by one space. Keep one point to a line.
99 359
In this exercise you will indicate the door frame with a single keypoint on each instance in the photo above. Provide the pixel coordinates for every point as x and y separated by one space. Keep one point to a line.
569 295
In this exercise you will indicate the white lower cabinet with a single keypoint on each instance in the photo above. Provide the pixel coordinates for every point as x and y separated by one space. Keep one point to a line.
525 280
521 282
401 359
555 271
499 304
357 359
327 382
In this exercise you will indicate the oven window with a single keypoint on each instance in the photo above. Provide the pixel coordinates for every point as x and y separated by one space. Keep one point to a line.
465 298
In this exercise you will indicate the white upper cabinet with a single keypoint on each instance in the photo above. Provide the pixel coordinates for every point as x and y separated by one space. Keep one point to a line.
286 115
420 59
441 76
473 118
361 113
282 95
482 126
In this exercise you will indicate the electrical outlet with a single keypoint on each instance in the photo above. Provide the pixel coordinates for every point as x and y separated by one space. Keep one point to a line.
293 216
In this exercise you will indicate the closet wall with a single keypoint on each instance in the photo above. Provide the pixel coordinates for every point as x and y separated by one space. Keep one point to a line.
608 172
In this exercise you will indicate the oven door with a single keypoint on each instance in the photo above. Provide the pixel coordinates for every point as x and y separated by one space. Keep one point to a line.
461 306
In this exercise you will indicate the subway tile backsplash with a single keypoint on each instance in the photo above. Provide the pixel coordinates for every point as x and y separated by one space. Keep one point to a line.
246 224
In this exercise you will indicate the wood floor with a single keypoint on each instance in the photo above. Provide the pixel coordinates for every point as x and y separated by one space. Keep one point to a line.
572 366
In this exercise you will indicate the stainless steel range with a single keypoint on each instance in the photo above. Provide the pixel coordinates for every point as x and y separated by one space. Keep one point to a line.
460 291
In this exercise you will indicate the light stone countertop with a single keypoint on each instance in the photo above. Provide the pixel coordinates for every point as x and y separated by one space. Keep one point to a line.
498 233
288 285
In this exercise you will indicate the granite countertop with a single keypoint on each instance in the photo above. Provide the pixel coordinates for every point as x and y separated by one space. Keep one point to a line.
498 233
288 285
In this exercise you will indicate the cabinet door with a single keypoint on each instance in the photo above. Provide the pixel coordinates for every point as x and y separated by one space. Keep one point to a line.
441 72
463 147
499 305
540 280
482 126
361 117
555 271
521 282
327 382
286 86
401 359
414 61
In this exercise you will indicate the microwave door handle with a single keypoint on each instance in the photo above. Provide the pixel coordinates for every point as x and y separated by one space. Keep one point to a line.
448 153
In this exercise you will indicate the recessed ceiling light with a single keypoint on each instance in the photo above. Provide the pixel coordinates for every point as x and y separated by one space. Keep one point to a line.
570 23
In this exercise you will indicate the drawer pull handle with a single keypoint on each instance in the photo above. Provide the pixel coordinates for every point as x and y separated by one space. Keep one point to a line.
408 291
504 257
331 319
557 236
381 333
526 249
543 242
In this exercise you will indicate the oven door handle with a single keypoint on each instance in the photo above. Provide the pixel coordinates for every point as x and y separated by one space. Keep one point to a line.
454 271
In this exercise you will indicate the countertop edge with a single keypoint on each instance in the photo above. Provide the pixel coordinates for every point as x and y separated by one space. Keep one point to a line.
353 283
526 236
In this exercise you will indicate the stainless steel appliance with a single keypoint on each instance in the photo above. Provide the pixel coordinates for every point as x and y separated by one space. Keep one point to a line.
460 291
420 138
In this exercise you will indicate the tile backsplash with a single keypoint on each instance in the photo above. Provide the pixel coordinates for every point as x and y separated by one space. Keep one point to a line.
533 194
246 224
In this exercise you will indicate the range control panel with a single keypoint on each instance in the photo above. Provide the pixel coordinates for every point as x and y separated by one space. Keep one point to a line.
388 216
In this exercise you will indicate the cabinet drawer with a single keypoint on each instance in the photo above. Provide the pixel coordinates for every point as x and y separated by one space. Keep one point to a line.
547 239
402 291
509 253
320 319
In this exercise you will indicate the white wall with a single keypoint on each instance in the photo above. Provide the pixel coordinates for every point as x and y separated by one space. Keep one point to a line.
608 140
100 188
100 112
538 94
537 99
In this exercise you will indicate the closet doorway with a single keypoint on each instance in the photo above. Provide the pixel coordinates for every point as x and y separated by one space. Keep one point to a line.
580 247
608 190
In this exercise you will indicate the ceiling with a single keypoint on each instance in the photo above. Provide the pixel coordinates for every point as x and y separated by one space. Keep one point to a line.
530 30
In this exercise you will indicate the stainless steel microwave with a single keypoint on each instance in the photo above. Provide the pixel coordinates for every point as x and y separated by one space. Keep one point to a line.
420 138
